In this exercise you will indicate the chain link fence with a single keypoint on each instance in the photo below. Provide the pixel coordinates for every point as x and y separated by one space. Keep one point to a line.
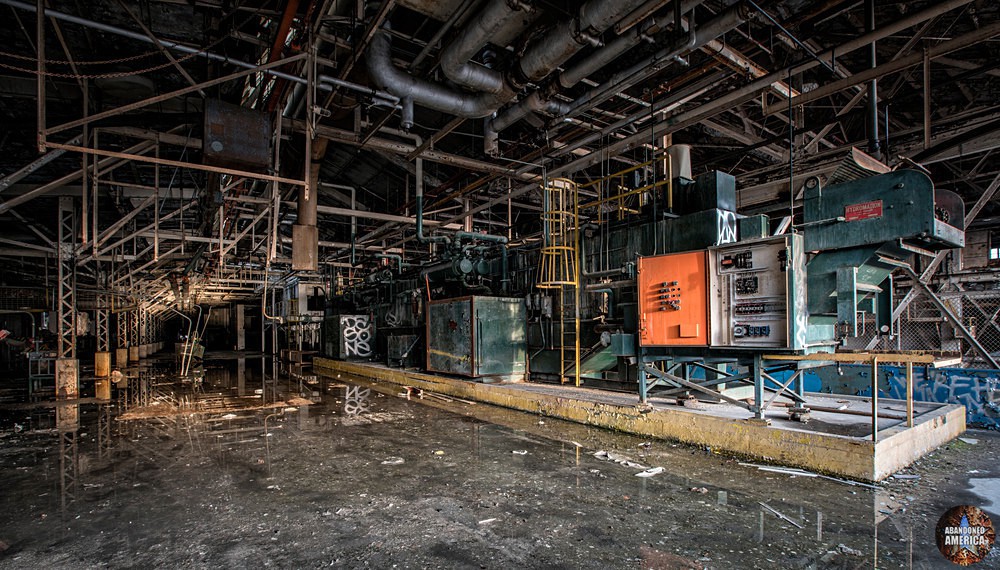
923 326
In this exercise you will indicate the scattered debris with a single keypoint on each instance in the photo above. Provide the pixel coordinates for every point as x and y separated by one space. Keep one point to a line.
650 472
487 521
439 452
394 461
18 428
520 452
229 416
786 470
619 459
646 445
701 490
905 477
803 473
844 549
969 440
780 515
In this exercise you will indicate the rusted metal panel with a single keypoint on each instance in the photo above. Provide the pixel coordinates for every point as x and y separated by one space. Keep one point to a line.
236 137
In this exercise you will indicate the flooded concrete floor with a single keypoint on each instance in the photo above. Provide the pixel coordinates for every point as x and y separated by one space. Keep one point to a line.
366 478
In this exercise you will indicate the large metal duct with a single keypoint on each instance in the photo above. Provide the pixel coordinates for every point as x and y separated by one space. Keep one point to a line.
500 17
426 93
570 36
539 102
554 49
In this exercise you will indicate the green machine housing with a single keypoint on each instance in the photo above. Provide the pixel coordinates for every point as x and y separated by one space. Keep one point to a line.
860 231
477 336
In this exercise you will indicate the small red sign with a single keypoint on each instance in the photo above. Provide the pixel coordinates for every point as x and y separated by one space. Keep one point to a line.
863 211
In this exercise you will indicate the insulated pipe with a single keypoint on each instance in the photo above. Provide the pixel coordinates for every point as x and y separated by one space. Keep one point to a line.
419 190
535 102
698 36
498 16
606 55
481 237
401 84
873 146
570 36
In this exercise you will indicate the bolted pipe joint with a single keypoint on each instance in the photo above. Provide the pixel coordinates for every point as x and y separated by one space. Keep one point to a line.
406 114
589 36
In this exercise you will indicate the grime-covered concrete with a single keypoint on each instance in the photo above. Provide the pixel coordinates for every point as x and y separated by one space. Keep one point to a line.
356 475
837 438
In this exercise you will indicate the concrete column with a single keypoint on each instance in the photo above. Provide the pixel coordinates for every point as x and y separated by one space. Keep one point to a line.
121 357
241 333
67 378
102 364
102 388
305 234
133 353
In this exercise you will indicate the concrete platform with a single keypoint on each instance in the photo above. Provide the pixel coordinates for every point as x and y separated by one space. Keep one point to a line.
833 442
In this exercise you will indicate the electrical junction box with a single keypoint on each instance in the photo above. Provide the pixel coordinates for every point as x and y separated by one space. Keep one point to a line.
673 300
757 296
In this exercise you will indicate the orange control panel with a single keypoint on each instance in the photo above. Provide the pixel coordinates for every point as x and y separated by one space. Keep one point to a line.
673 300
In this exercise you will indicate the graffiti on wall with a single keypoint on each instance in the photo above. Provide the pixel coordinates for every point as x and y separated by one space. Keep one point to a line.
977 390
358 335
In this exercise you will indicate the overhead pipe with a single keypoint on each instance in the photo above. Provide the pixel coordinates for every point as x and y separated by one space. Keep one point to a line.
697 37
553 50
497 17
535 102
419 189
570 36
538 101
431 95
873 145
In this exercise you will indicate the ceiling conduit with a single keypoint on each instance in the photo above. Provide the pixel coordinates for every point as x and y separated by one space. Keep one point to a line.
554 49
500 17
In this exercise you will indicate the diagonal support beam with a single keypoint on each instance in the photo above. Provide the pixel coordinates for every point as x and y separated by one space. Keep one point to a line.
39 162
955 321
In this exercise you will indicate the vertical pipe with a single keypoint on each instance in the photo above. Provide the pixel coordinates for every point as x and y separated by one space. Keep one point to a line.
927 100
758 386
86 199
156 209
909 394
873 146
874 373
40 82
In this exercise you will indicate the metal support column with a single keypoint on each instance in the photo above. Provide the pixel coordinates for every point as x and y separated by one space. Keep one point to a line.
133 336
758 386
874 373
102 358
121 352
67 366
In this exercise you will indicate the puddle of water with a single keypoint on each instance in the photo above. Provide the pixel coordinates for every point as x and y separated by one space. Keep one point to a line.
361 476
989 491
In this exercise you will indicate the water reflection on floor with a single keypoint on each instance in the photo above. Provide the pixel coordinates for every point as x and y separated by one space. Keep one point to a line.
244 464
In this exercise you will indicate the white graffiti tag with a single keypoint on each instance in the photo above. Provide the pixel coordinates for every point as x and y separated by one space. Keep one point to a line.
727 227
357 331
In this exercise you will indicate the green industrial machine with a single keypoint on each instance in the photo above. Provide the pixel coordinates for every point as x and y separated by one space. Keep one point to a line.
479 337
861 230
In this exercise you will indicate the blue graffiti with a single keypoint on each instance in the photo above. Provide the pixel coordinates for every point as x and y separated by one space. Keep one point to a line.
976 389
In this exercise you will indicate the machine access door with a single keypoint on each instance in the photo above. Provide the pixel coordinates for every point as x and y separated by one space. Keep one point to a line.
673 300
